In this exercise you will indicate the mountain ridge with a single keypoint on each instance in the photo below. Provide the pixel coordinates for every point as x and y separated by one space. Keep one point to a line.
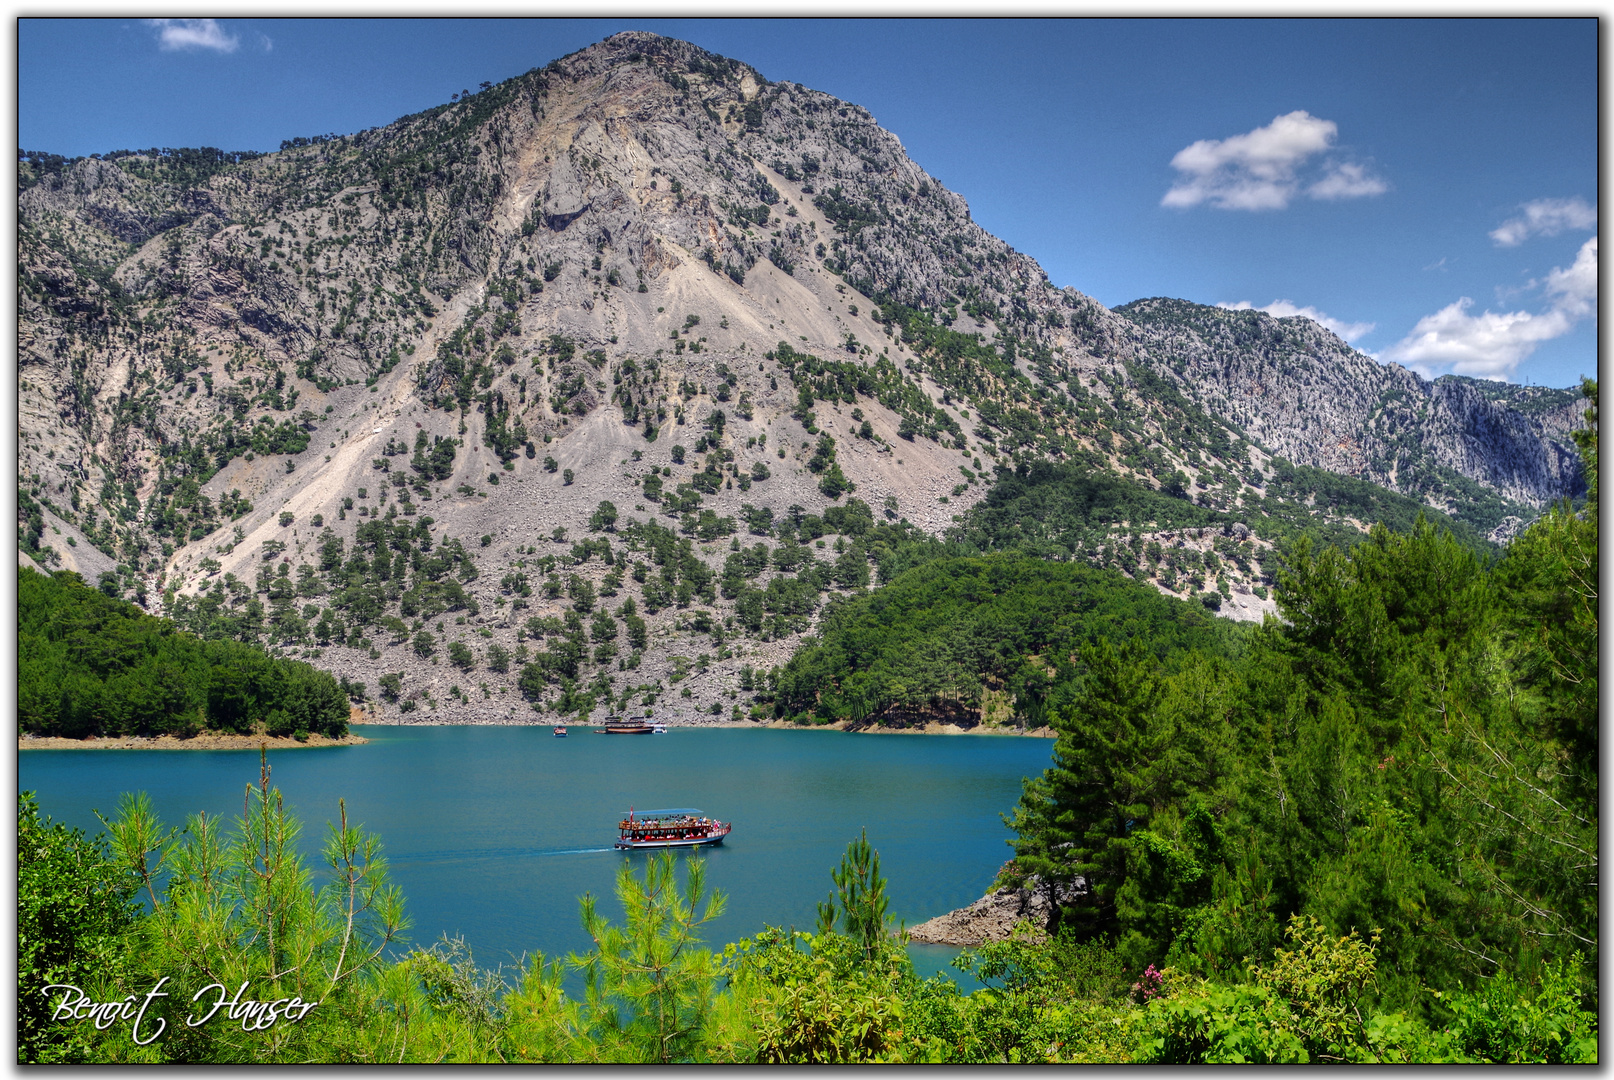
641 276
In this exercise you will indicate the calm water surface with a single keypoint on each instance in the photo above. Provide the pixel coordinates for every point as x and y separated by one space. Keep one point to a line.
494 832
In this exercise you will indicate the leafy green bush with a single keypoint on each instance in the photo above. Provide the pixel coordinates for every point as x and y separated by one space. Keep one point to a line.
74 904
1307 1006
1509 1021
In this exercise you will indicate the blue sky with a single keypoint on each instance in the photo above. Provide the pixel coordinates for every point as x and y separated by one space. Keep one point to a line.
1427 186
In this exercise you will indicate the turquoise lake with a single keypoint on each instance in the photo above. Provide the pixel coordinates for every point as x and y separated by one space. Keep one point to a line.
494 832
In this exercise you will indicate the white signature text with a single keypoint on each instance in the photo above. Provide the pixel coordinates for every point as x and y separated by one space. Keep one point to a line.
253 1014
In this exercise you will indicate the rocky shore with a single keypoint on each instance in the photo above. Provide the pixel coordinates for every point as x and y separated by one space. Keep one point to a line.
209 741
526 718
203 741
994 916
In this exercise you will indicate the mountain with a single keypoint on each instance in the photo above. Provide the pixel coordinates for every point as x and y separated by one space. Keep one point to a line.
589 387
1473 448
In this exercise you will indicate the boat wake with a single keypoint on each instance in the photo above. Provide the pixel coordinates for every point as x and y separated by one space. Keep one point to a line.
497 853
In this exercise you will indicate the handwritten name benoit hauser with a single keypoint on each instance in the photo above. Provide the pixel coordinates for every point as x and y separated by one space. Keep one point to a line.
254 1015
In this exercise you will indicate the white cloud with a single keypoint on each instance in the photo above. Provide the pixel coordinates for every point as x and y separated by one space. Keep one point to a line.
1576 287
1283 309
174 34
1347 180
1491 345
1487 346
1258 170
1545 217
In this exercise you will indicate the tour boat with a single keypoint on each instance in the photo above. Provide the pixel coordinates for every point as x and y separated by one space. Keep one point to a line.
626 727
560 731
669 828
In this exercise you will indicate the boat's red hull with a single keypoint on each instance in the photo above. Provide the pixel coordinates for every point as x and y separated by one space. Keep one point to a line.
715 836
634 845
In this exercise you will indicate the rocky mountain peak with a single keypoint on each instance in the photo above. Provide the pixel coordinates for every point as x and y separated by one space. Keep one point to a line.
638 326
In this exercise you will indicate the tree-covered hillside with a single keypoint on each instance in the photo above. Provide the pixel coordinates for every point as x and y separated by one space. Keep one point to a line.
933 642
1411 751
91 665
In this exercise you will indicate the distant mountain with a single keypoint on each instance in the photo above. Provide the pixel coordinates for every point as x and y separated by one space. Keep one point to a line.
436 400
1475 449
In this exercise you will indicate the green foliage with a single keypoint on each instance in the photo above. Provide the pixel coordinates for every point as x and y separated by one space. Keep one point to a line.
1550 577
840 1002
1509 1021
1240 1024
1066 511
74 904
828 1006
394 564
1307 1006
1323 978
434 461
859 901
1130 804
1061 963
937 636
845 380
845 213
649 985
91 665
1380 759
243 907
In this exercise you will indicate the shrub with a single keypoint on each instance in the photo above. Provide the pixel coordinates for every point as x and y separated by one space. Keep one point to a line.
1509 1022
73 904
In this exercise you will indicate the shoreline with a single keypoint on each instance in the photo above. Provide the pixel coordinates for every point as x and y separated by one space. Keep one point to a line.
932 728
208 741
202 741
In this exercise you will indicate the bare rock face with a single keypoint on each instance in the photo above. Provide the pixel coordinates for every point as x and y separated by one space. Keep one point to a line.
994 916
1504 532
564 197
1302 393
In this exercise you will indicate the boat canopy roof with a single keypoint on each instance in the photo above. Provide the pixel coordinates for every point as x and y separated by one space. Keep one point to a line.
661 813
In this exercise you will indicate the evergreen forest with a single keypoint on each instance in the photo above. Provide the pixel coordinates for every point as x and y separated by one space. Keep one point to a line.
90 665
